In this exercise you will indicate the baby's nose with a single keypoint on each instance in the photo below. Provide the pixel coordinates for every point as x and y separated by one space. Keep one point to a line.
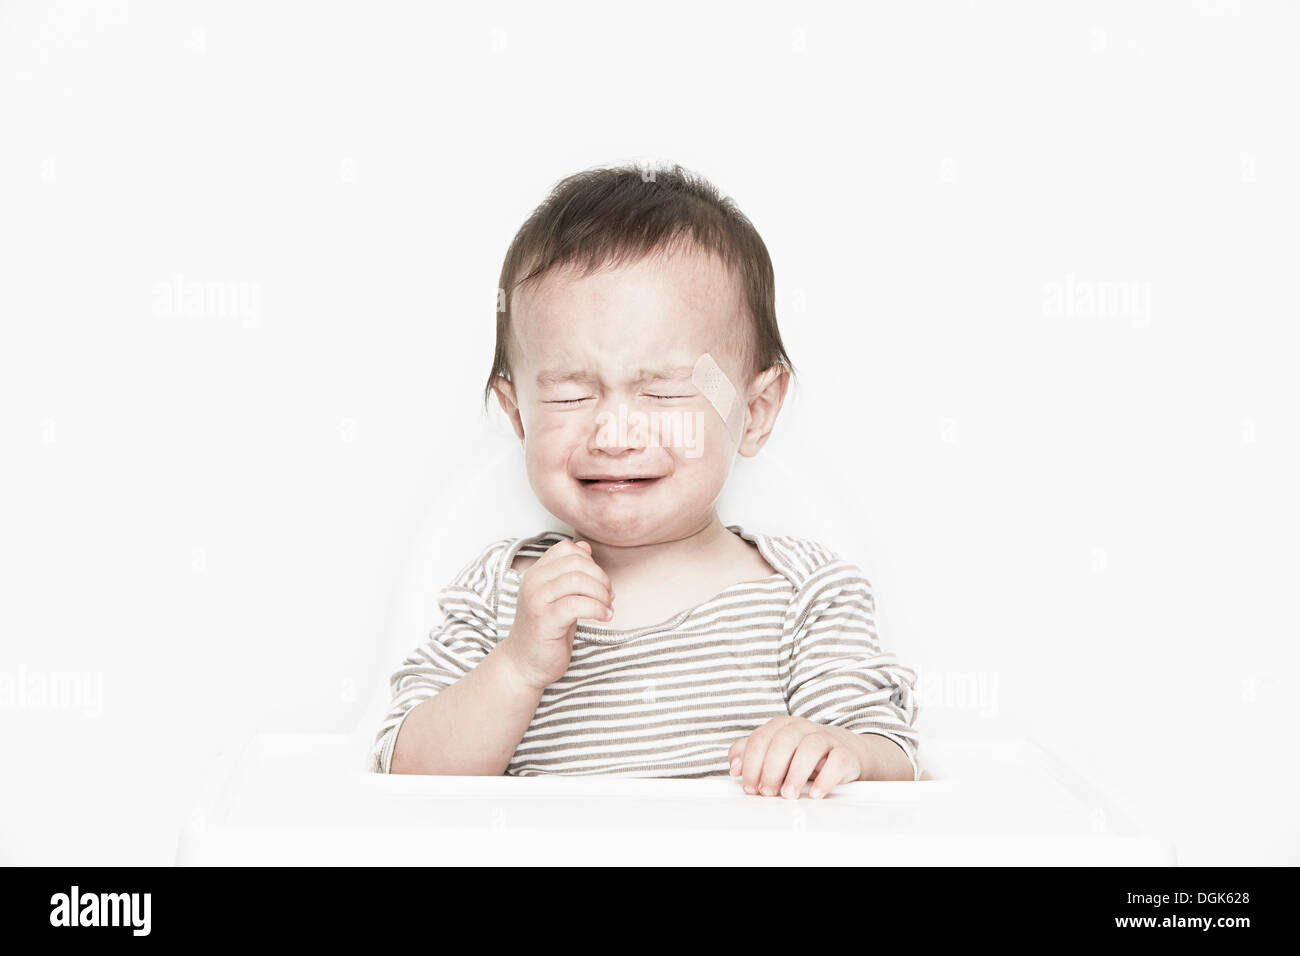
619 426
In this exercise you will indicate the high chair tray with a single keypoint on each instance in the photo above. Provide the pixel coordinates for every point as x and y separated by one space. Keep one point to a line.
301 799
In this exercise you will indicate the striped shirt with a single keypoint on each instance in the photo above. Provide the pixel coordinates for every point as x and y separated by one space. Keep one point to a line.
668 700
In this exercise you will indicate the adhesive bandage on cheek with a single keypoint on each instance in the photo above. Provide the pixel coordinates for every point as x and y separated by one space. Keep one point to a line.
714 385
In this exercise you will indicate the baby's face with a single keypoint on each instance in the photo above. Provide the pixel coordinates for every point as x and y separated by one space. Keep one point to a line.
618 347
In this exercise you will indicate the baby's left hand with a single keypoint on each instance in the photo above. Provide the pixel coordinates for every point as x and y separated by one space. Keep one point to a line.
785 752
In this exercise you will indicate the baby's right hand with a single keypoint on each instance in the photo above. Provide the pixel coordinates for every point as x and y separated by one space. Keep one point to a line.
564 584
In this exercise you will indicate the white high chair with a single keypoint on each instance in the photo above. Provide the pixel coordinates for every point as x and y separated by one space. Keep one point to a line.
308 798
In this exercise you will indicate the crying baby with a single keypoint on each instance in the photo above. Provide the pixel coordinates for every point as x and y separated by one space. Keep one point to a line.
637 354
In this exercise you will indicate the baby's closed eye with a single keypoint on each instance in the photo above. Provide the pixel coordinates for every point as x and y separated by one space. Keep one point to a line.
654 395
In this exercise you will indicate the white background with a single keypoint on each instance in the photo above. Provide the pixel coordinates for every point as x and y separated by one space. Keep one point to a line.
1082 508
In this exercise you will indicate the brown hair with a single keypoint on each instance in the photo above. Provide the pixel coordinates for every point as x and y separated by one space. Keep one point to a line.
618 214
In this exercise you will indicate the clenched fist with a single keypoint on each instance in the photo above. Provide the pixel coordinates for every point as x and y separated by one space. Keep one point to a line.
561 586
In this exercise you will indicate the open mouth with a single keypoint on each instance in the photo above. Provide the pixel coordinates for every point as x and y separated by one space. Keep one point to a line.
617 484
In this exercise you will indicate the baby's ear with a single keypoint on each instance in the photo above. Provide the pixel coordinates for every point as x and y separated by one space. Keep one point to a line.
505 390
766 396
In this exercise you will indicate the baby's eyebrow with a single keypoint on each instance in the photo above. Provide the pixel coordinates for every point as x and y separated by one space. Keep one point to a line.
548 377
661 374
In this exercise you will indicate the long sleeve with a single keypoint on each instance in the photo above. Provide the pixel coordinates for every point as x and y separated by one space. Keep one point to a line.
464 636
837 674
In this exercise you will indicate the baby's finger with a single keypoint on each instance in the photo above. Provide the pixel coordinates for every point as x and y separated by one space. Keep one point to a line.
807 760
840 767
734 753
575 561
561 549
576 582
752 759
579 607
776 761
